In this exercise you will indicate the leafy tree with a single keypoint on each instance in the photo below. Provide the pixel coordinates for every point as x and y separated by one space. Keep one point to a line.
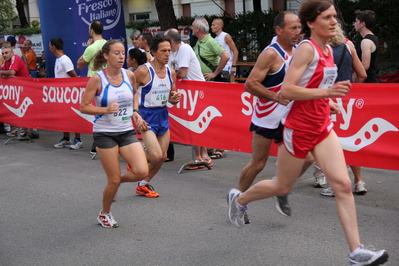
166 14
7 15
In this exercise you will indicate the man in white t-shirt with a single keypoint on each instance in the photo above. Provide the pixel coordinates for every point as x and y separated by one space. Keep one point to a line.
227 42
184 61
64 68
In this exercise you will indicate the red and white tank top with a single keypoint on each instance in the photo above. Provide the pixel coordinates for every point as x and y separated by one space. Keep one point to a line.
313 115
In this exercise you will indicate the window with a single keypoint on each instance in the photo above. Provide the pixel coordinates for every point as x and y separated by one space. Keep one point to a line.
140 17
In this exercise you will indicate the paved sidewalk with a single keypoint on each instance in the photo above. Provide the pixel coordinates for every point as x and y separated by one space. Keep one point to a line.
50 199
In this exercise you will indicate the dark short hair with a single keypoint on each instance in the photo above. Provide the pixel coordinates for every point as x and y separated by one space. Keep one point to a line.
97 27
279 20
147 36
366 16
11 40
58 43
157 40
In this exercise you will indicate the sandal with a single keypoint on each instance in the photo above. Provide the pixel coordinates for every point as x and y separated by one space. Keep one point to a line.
12 133
209 161
22 133
194 166
217 154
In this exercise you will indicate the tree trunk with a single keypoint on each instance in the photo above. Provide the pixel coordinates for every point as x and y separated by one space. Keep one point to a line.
166 14
20 4
257 5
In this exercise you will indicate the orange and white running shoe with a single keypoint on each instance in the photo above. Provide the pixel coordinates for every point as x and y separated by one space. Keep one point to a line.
146 190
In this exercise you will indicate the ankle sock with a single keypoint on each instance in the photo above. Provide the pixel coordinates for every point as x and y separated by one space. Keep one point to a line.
143 183
353 253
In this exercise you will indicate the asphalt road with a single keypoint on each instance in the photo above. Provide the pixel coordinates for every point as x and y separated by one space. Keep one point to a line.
50 199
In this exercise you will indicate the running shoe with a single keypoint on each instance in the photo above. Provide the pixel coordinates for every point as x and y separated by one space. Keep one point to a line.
146 190
236 213
319 176
328 192
368 257
282 205
107 220
76 145
63 144
246 218
359 188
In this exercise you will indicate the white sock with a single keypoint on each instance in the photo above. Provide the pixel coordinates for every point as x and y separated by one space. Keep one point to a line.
143 183
353 253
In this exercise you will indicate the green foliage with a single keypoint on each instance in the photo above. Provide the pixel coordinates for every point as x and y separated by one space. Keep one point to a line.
7 15
35 23
24 31
142 24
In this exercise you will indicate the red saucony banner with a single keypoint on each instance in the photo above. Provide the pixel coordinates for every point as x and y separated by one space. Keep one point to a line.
214 115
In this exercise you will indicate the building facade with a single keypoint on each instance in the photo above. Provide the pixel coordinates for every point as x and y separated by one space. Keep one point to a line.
139 10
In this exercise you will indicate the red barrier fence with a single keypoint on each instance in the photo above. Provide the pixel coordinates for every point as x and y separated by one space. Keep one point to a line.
214 115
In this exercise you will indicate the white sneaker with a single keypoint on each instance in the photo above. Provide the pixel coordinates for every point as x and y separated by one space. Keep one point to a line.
63 144
328 192
107 220
319 176
365 256
359 188
76 145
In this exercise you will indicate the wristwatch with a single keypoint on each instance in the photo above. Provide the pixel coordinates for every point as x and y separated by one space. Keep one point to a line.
136 110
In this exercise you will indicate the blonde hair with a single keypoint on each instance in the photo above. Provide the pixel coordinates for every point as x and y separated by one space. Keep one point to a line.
339 36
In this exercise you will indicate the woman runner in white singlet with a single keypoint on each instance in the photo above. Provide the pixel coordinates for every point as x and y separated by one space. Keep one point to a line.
115 93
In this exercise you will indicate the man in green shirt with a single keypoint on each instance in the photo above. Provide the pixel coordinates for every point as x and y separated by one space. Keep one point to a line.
209 49
94 44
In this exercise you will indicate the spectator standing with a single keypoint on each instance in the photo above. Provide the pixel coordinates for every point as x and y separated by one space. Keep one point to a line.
17 51
368 54
30 57
12 66
369 46
145 43
184 61
156 87
115 93
309 83
135 37
212 58
94 44
227 42
63 68
208 50
3 43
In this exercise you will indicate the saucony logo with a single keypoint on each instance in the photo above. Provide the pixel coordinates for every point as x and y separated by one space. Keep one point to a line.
367 135
202 122
89 118
21 110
